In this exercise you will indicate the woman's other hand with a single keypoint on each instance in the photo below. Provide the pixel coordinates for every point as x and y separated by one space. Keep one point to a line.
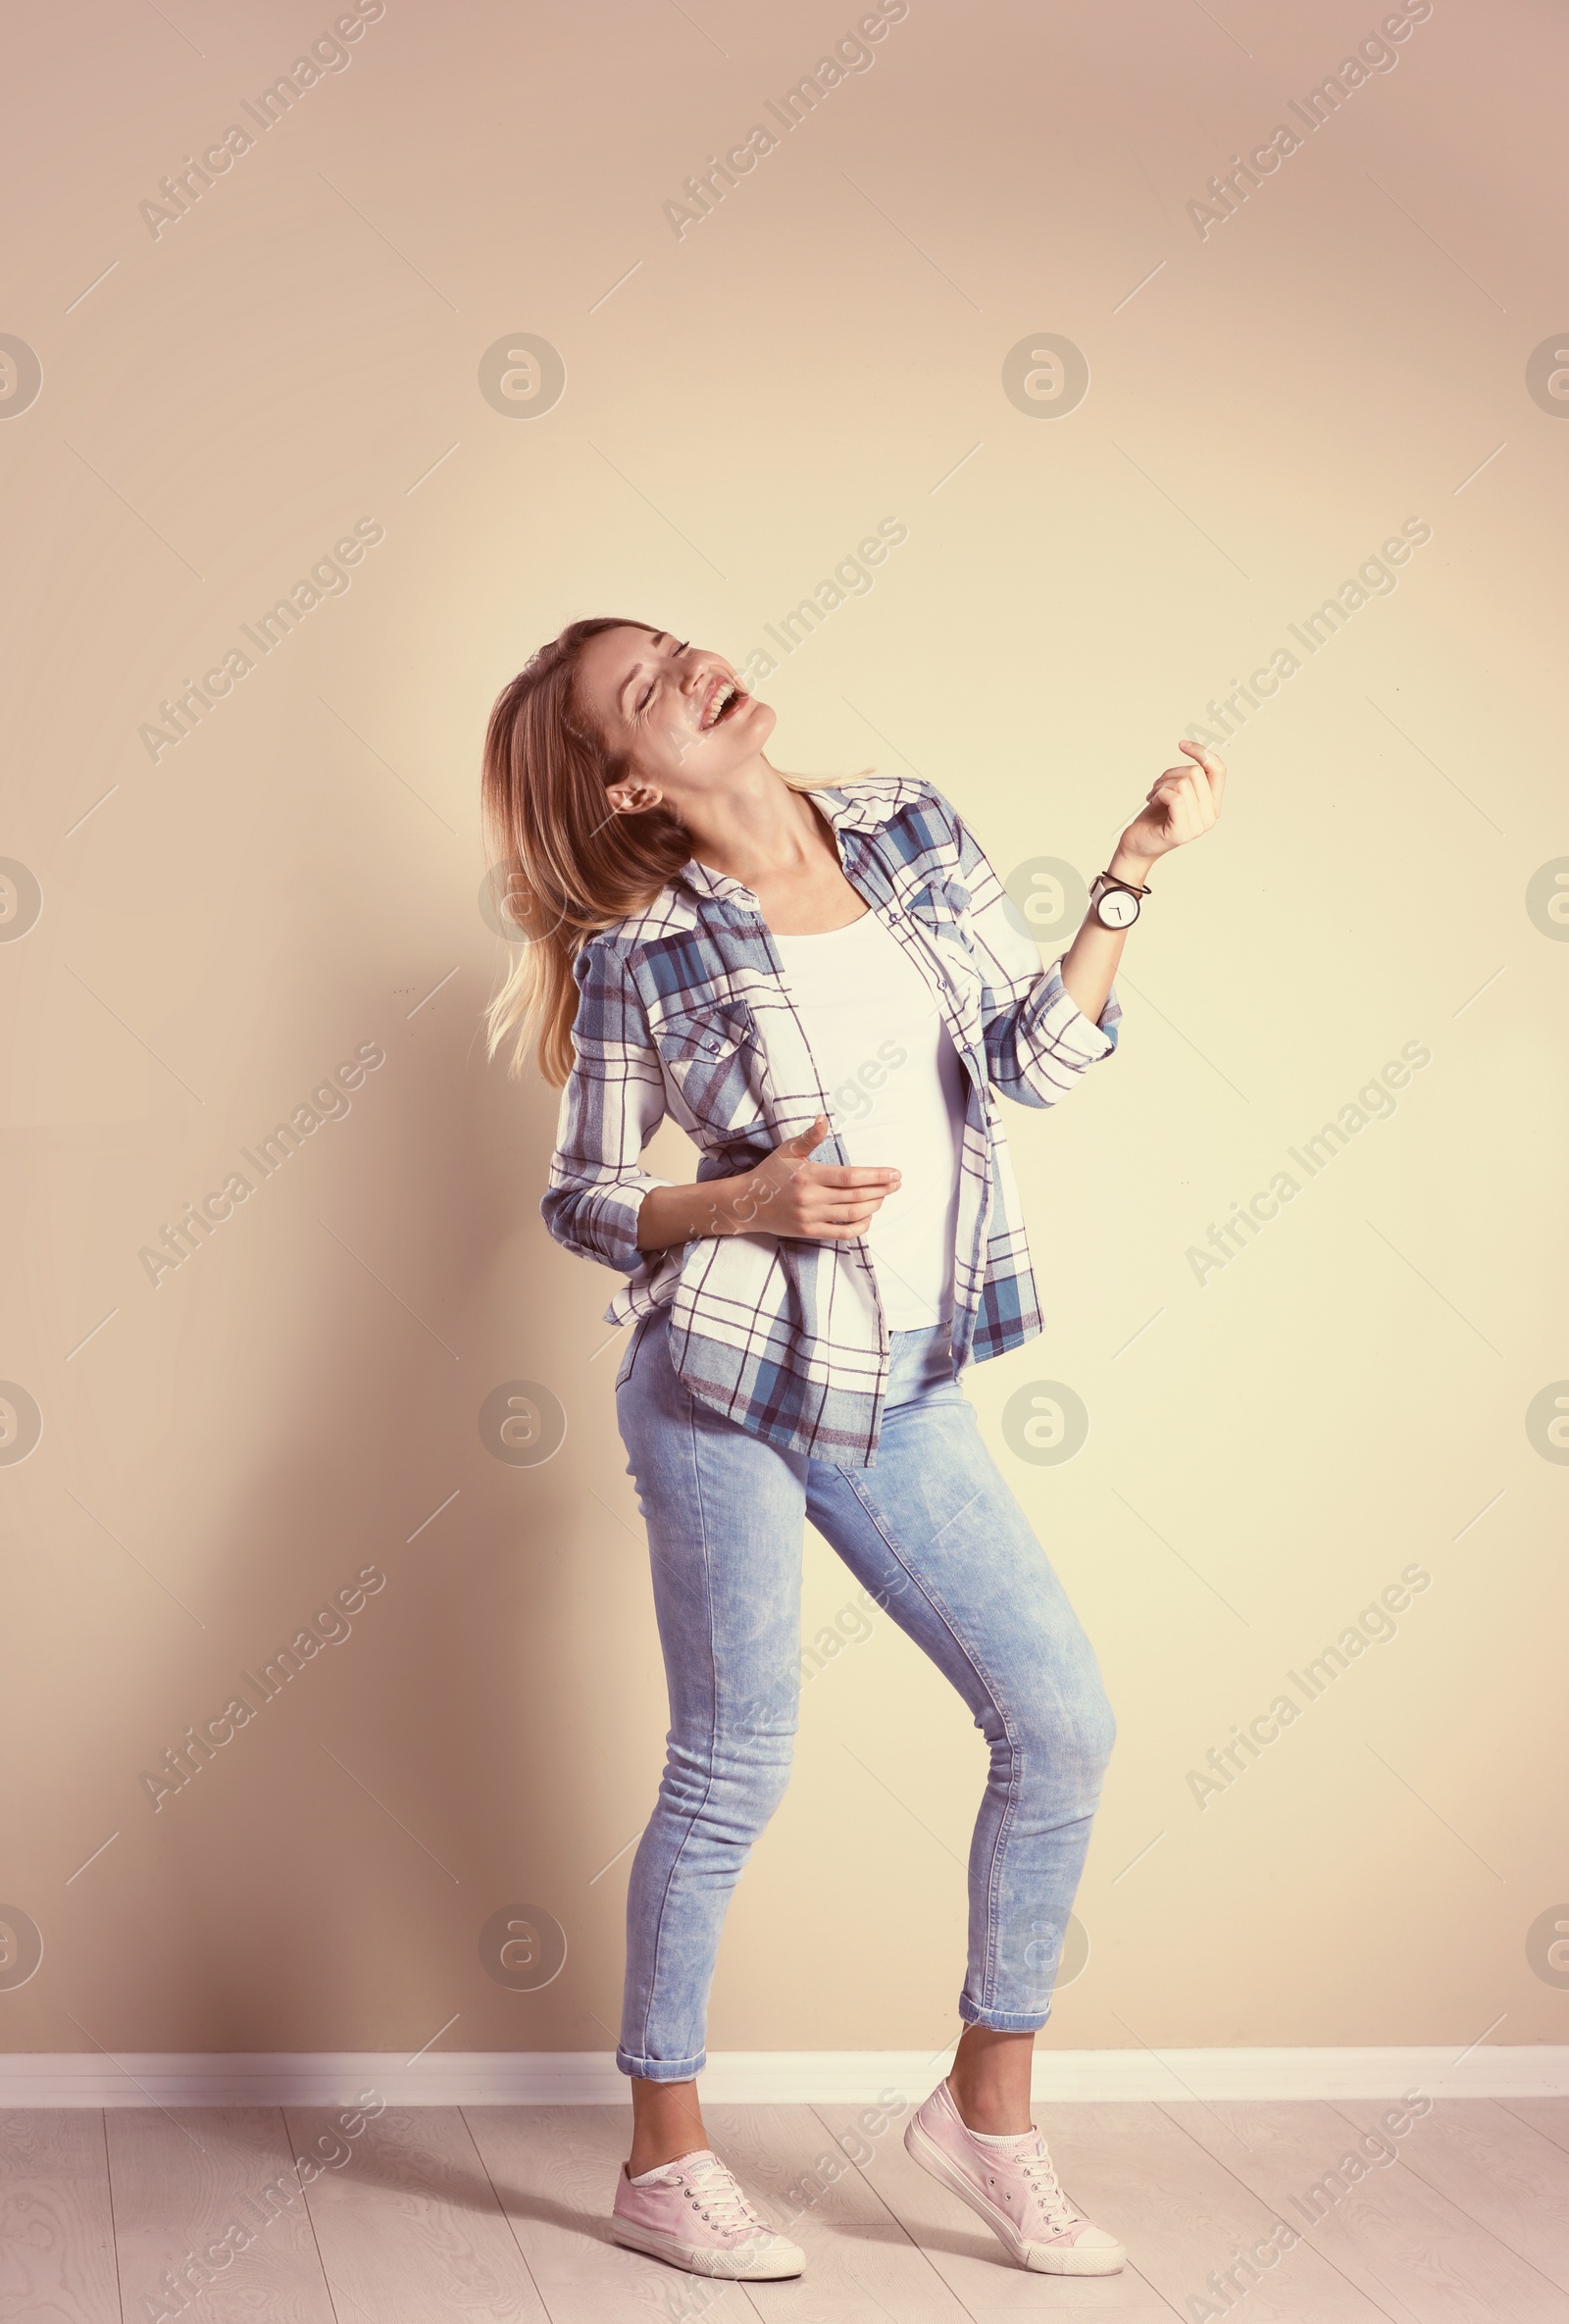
1182 805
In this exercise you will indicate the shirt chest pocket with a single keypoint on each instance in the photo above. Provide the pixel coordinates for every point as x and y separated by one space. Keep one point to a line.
713 1061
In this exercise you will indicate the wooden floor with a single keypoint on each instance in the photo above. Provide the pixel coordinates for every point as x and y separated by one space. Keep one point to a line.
491 2212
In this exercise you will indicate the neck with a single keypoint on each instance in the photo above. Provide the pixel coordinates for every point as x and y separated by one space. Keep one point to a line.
756 827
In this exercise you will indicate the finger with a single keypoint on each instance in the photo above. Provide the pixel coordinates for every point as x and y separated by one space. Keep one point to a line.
1213 764
846 1174
1186 782
1200 796
805 1139
1189 799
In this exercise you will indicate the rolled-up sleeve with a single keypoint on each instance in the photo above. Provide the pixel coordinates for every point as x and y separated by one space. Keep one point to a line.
1038 1041
612 1104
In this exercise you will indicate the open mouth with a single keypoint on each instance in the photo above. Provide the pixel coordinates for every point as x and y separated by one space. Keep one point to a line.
723 704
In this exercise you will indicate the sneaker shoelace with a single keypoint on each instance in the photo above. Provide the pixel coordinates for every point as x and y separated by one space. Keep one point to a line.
713 2190
1040 2177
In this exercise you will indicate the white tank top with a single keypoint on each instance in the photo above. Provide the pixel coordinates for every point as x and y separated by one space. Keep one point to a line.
896 1089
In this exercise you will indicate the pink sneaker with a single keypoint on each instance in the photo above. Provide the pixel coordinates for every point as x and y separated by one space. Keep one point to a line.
1015 2190
692 2213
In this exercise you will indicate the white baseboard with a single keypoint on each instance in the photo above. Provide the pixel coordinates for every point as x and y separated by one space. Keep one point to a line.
759 2077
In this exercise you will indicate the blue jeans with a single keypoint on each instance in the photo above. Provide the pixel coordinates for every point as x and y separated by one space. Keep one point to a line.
936 1536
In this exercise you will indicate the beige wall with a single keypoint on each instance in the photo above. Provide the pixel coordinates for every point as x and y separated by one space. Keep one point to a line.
1269 1448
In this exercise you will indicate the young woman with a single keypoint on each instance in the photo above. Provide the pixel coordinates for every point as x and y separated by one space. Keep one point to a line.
828 989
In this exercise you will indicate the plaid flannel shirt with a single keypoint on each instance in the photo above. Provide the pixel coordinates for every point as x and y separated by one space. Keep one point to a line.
685 1009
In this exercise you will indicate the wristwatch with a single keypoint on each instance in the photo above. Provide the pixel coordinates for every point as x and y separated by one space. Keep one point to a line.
1114 901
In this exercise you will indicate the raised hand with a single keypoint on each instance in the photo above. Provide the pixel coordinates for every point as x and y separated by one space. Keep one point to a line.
1183 804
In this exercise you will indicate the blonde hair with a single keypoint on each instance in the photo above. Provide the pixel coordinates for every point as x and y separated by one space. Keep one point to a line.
566 867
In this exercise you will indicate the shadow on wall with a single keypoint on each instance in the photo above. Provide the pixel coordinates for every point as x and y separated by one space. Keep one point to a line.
430 1686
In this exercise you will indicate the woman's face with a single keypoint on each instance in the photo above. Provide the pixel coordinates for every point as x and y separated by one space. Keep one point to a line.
673 710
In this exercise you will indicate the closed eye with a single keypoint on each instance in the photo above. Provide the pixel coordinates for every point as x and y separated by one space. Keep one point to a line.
648 694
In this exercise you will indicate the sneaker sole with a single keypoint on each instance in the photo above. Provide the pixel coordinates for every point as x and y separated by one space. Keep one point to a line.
700 2260
1042 2259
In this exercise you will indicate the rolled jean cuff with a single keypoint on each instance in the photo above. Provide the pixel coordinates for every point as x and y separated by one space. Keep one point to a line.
1002 2021
661 2069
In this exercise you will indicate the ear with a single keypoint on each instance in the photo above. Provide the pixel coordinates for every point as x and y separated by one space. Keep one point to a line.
631 796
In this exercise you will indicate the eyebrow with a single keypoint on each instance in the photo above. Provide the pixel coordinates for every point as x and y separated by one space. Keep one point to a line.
658 638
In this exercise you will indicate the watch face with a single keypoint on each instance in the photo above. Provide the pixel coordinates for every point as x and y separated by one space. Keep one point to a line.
1116 908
